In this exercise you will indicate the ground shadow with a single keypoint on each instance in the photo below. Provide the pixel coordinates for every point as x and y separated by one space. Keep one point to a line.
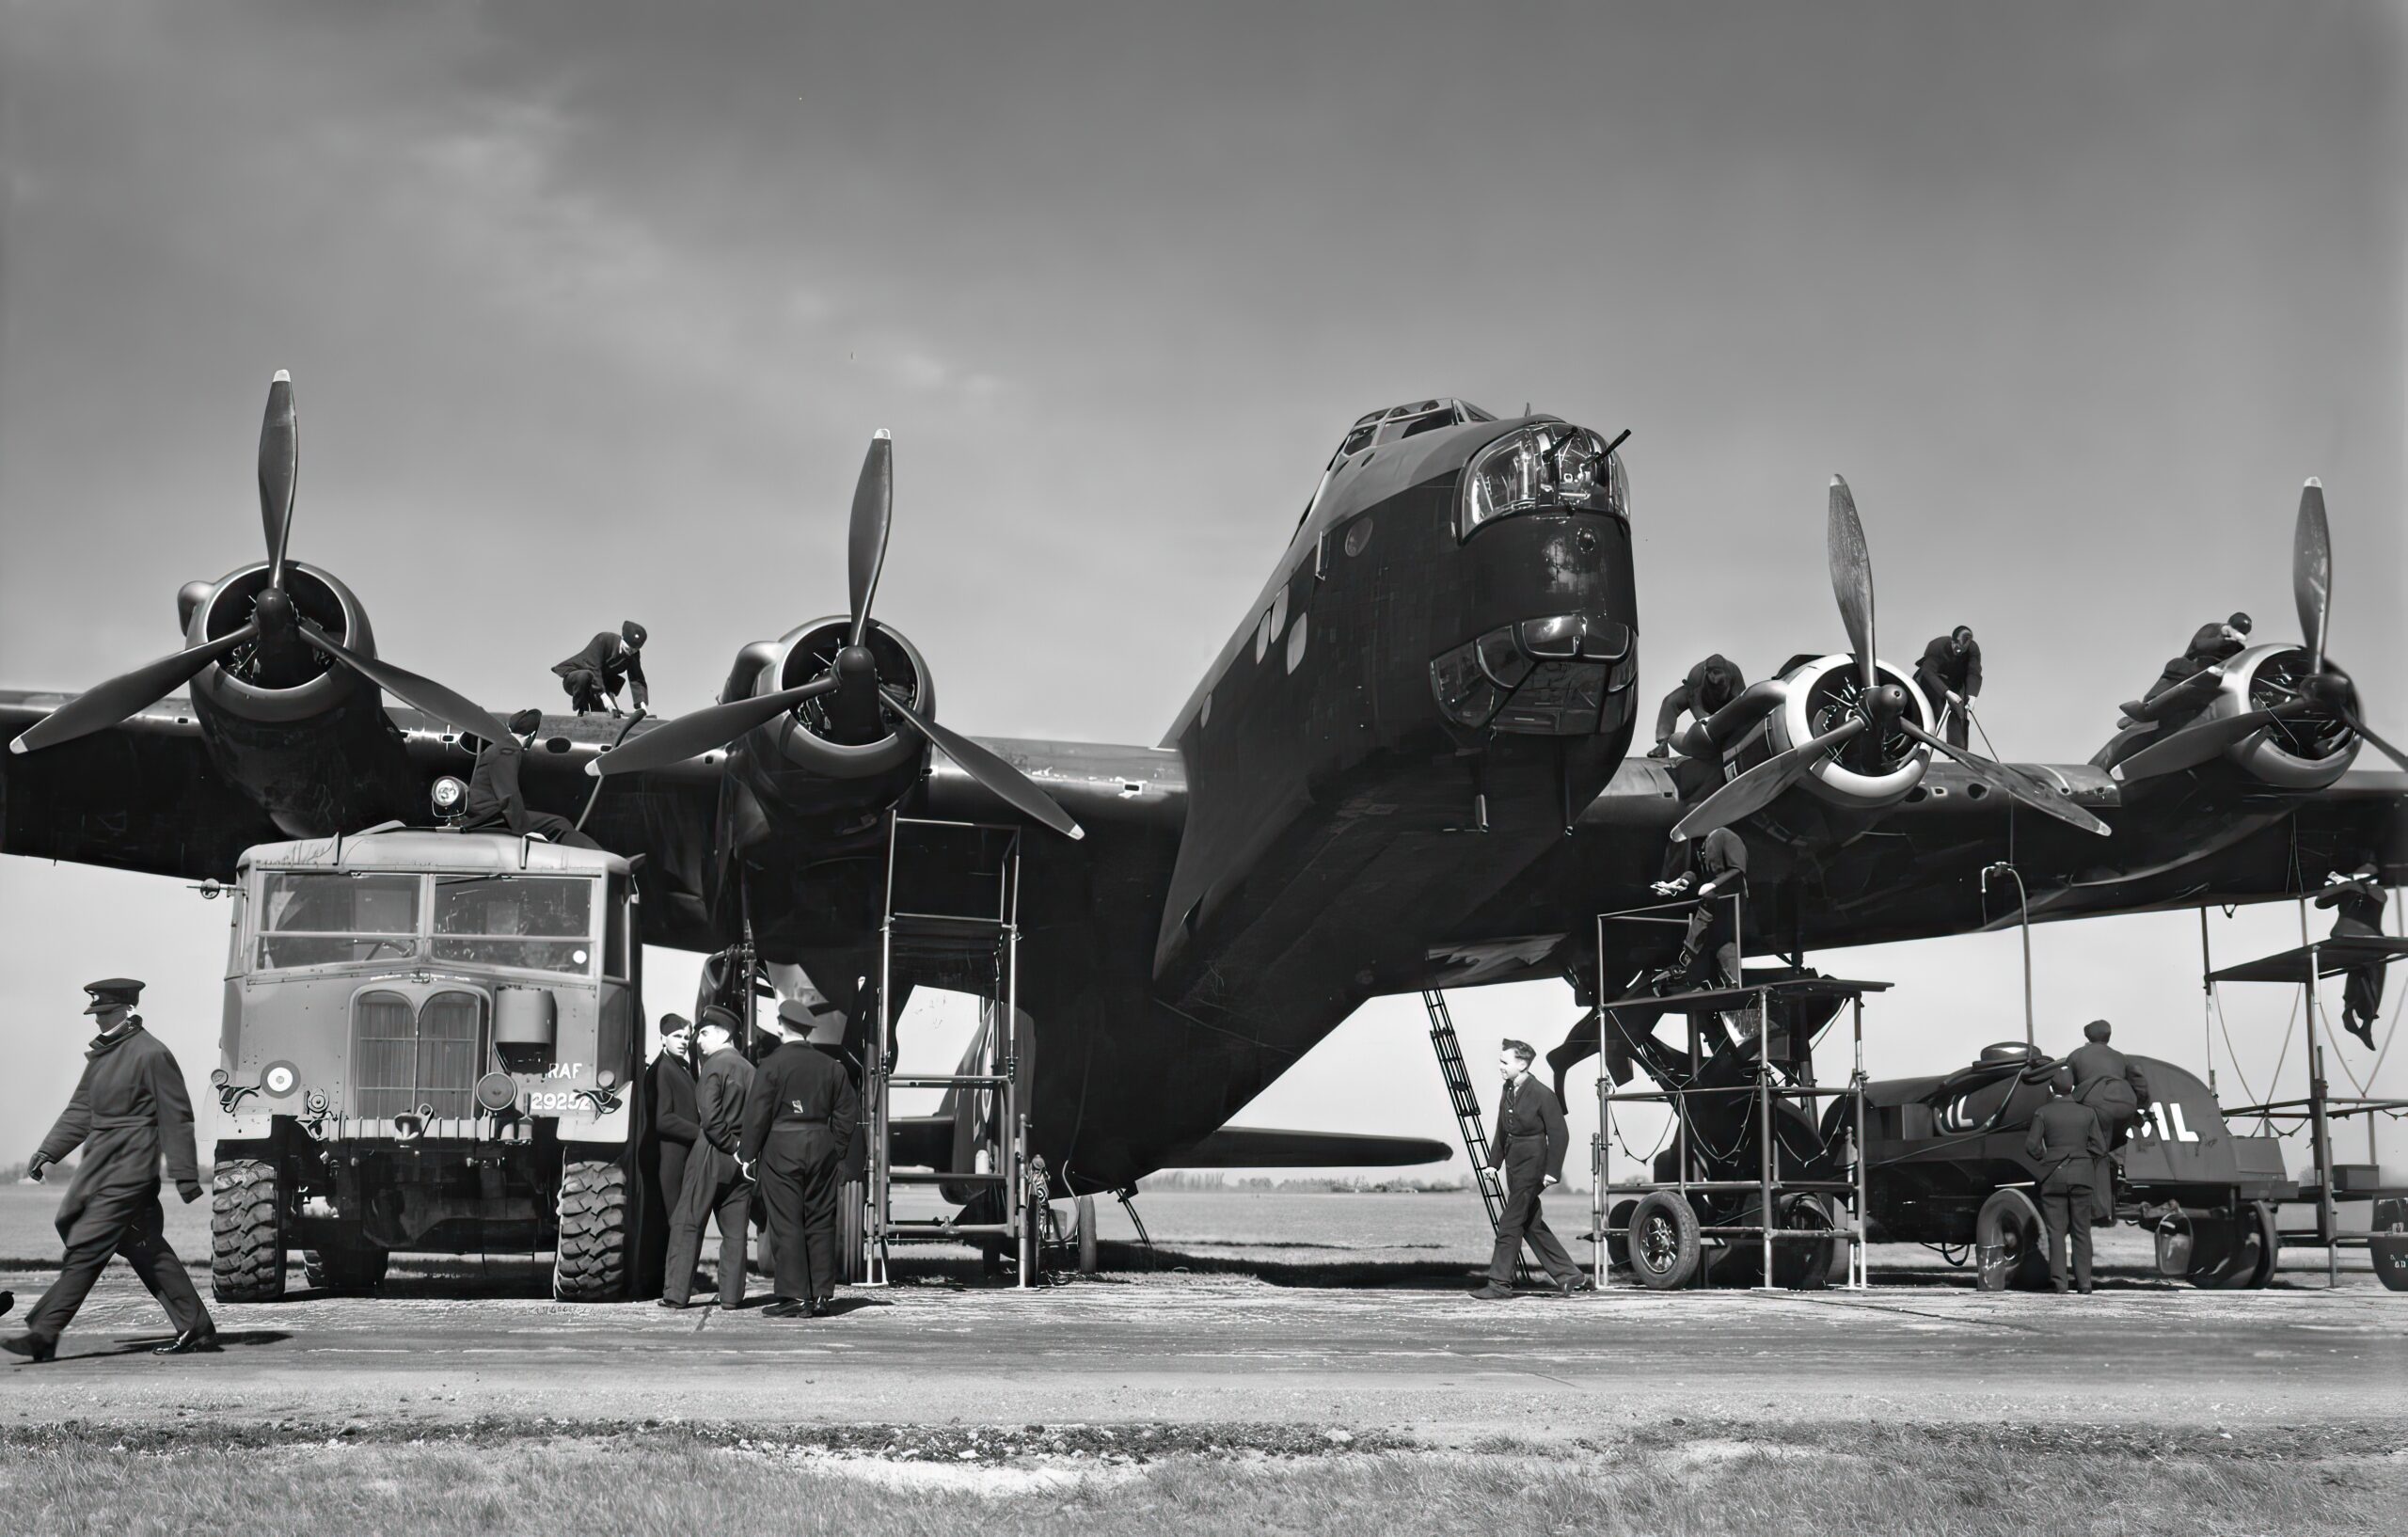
144 1344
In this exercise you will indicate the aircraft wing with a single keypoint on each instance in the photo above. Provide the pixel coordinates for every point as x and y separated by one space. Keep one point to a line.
1917 872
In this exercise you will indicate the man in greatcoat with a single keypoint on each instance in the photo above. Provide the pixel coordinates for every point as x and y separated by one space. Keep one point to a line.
799 1119
1528 1149
675 1127
496 801
715 1183
129 1110
2116 1092
2066 1141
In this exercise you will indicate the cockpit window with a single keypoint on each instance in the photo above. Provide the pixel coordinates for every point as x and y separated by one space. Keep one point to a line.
1402 421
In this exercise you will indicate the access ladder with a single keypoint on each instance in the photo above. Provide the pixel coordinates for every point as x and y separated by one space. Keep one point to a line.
1469 1119
952 921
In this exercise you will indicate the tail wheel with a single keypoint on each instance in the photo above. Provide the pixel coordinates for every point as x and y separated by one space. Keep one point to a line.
2007 1243
597 1219
360 1269
245 1231
1664 1244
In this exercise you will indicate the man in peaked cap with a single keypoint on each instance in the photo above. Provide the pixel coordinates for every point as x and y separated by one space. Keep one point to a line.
609 662
2065 1145
495 800
129 1109
799 1119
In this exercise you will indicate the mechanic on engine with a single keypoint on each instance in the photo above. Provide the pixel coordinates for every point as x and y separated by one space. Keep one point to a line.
1710 685
495 800
2068 1142
2214 644
1950 676
2116 1092
607 663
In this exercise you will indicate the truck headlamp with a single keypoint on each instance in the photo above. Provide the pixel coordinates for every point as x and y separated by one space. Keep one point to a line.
449 795
1550 467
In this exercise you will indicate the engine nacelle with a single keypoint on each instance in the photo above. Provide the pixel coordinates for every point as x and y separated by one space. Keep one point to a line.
298 687
1864 777
2305 753
811 739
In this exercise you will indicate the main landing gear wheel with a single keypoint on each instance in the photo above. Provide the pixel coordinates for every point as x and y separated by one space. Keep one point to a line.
1664 1244
245 1231
597 1219
2007 1243
359 1269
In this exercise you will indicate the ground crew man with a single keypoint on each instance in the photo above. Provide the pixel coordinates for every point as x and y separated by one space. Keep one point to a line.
1526 1149
2358 900
2116 1092
607 662
674 1125
129 1110
1718 873
1950 676
2066 1141
2213 643
797 1120
1710 685
714 1185
495 800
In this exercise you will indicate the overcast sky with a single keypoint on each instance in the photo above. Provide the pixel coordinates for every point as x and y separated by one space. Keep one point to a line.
590 308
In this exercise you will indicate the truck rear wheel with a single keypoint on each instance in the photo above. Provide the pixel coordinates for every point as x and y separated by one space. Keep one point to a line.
852 1225
1664 1243
598 1221
245 1231
360 1269
2007 1243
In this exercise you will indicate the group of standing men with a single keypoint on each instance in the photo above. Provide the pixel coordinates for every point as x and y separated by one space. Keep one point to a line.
2096 1096
787 1128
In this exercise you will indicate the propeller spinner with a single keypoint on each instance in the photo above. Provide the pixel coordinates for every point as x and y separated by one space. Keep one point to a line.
279 637
1874 713
860 705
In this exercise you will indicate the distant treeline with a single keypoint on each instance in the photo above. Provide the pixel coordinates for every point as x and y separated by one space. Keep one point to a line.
1209 1180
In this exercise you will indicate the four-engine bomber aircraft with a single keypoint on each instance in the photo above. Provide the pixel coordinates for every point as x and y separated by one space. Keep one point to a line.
1404 770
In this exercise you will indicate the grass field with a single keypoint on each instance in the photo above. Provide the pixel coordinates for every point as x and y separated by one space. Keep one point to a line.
867 1481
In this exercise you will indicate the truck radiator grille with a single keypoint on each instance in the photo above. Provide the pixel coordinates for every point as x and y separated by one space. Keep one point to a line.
402 1058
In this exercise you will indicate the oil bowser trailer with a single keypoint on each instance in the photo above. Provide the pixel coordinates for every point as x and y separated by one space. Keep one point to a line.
431 1044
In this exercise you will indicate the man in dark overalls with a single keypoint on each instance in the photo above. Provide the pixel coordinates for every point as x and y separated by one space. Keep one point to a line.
1950 676
715 1184
2358 899
607 663
129 1110
2116 1092
1710 685
2066 1141
495 800
799 1119
1528 1149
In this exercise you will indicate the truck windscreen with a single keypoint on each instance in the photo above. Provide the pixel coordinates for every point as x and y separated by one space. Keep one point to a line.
313 919
543 923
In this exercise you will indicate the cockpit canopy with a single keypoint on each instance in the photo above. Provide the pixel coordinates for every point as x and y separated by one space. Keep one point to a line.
1400 421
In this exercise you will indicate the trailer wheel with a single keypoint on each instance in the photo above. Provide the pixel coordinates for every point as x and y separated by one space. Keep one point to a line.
1618 1244
360 1269
2007 1243
597 1218
245 1231
1664 1244
2246 1256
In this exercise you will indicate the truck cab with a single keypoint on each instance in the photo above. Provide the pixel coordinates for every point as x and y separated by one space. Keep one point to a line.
431 1043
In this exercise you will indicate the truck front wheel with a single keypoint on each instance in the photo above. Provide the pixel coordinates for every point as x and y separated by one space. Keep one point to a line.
598 1224
245 1231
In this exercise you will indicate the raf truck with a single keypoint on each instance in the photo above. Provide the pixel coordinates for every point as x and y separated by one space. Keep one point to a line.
431 1044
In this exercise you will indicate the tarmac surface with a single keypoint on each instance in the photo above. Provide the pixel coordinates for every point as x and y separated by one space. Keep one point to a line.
1184 1348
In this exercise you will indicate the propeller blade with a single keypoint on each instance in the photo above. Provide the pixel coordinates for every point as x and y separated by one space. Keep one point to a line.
279 467
424 695
2194 745
873 512
2312 572
1006 783
1998 776
2349 718
702 731
127 694
1853 577
1762 785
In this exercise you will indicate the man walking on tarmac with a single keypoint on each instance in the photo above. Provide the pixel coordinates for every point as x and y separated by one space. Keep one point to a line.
129 1110
799 1119
2067 1141
714 1185
1528 1150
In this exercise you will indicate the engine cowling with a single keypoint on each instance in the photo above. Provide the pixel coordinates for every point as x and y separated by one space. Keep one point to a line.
2305 753
813 738
298 684
1863 775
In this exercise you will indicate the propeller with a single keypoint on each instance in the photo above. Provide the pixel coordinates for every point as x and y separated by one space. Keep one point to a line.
859 703
2325 689
1878 706
279 634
